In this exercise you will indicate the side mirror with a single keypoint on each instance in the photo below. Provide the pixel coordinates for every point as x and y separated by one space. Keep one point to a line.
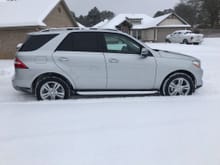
19 46
145 52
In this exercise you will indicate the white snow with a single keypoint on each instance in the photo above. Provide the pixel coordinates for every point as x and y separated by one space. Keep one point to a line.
117 20
138 130
147 22
158 20
25 12
101 24
80 25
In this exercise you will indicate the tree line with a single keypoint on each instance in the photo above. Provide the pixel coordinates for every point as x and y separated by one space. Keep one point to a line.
94 16
198 13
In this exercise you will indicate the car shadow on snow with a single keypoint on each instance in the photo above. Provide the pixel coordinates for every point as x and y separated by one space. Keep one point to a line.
19 96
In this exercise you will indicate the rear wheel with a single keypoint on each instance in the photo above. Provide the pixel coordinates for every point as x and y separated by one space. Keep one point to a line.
52 88
185 41
179 84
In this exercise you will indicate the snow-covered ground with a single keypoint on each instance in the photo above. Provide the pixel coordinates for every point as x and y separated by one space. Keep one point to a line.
126 130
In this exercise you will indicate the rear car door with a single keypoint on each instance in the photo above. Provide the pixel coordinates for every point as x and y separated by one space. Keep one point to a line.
79 55
126 68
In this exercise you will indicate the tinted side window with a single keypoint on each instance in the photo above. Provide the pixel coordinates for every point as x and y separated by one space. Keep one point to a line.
116 43
81 41
34 42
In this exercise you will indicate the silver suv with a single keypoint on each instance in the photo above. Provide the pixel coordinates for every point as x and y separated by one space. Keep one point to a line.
57 63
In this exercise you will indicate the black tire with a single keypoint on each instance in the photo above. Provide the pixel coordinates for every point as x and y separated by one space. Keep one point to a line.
167 41
178 84
63 90
185 41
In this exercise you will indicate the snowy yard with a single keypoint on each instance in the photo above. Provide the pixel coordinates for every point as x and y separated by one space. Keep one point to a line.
140 130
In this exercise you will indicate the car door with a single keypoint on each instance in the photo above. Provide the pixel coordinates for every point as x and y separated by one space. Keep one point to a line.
80 57
174 37
179 37
126 68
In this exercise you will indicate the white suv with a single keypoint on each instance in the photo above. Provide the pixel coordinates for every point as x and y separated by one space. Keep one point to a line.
185 37
56 63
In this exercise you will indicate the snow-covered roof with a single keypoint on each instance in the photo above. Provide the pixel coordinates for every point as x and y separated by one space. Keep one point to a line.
101 24
15 13
156 22
146 21
117 20
80 25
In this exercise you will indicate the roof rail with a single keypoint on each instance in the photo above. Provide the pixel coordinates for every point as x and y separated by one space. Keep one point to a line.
74 28
64 28
112 30
103 29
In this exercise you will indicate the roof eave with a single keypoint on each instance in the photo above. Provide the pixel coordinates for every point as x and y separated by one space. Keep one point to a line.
37 27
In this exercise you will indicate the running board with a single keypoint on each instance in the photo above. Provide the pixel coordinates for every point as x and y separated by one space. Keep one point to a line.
116 92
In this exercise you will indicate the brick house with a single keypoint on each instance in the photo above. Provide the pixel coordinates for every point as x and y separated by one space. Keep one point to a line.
157 29
145 27
19 17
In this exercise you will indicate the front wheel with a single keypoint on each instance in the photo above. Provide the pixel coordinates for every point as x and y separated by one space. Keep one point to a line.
185 41
52 88
167 41
179 84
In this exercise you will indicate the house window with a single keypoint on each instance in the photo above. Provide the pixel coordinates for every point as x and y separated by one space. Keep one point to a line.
135 21
137 34
59 9
172 17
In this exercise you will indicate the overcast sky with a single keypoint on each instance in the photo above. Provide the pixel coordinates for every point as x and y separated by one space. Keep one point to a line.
81 7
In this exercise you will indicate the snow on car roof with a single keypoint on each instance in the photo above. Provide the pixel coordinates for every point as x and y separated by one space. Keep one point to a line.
25 12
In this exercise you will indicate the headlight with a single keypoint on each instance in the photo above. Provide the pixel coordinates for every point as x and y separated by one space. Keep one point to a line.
196 63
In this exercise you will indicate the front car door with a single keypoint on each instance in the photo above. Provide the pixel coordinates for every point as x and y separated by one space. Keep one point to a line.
174 37
126 68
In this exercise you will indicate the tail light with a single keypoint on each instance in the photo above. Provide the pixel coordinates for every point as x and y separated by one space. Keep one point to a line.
19 64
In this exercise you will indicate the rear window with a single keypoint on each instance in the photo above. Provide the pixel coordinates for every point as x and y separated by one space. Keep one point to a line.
81 41
34 42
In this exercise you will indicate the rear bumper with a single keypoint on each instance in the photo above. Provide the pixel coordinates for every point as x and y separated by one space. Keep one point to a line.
23 89
196 41
19 82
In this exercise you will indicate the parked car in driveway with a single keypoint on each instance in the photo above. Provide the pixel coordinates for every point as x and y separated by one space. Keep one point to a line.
57 63
185 37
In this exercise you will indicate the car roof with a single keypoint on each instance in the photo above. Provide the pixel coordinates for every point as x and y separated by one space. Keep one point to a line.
72 29
68 30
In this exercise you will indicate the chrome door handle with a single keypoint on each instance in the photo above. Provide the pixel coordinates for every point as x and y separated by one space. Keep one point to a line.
63 59
113 60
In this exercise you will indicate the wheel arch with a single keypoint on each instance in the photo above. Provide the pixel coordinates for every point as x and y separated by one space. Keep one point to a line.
179 71
185 39
51 74
167 40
